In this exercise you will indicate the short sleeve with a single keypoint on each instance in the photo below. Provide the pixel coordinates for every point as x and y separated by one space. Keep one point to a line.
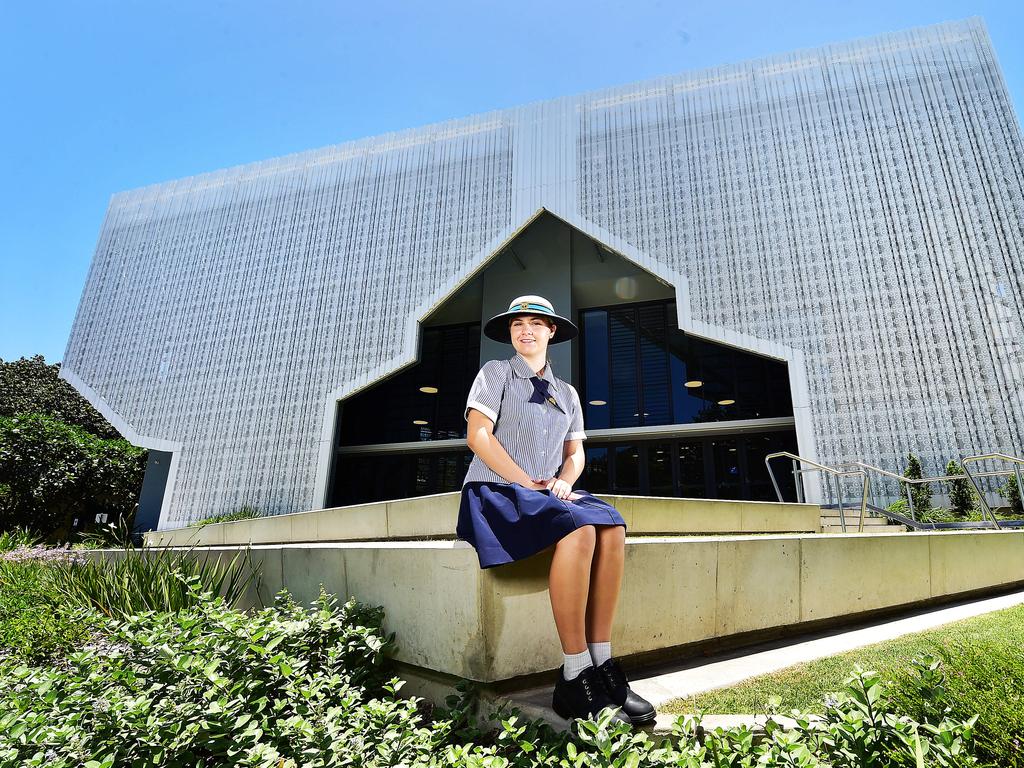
576 418
485 394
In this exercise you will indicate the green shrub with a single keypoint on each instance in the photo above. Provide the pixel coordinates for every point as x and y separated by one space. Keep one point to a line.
135 581
1011 493
36 621
942 515
985 678
289 686
17 538
244 512
118 534
920 493
52 471
963 501
214 686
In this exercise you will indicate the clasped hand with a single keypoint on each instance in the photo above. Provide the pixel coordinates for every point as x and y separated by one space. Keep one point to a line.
557 486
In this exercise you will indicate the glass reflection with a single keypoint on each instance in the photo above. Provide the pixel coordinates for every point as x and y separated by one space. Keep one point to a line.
636 359
659 469
692 472
627 469
728 482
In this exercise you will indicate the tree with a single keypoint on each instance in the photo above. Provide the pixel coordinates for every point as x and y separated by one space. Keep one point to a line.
29 385
1011 492
963 502
51 472
920 493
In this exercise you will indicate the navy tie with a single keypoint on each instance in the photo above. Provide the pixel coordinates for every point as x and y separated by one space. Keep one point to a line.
542 392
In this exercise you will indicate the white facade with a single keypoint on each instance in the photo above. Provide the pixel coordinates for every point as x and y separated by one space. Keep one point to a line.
855 210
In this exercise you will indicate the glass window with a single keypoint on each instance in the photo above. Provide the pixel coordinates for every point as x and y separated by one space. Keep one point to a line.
597 412
649 372
759 446
692 472
728 482
625 386
360 479
627 469
654 370
595 476
422 402
659 469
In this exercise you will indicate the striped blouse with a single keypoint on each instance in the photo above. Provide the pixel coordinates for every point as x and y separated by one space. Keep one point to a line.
531 433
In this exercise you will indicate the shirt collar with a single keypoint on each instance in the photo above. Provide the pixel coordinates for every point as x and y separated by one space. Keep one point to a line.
522 369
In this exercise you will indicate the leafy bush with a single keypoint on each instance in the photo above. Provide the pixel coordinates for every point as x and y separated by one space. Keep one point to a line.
213 686
1011 493
118 534
52 471
971 679
289 686
135 581
963 501
244 512
36 622
942 515
17 538
29 385
899 506
919 493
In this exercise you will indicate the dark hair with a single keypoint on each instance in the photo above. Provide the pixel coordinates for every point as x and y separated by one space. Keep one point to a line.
551 323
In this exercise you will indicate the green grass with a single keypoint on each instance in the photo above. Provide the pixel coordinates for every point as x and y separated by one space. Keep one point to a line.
804 686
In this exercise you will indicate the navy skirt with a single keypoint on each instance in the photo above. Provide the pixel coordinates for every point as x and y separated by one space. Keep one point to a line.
506 522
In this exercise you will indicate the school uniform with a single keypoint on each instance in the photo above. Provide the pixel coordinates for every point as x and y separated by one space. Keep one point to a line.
533 418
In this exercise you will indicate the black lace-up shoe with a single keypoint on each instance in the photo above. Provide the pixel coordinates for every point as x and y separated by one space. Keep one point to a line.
637 709
582 697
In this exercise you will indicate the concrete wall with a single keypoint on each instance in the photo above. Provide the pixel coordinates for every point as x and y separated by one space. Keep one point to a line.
452 618
435 516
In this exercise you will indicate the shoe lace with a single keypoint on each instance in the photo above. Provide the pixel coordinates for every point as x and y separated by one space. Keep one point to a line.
585 679
616 677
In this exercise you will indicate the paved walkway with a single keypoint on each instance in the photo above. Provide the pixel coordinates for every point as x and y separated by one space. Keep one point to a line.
697 675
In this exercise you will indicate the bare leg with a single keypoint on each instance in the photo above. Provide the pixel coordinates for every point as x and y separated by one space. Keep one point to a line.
568 587
605 582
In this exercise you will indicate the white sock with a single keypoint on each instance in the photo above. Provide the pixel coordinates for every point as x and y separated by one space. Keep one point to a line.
576 663
600 652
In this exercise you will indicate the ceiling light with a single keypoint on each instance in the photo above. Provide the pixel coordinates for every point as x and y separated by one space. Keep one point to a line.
693 384
726 402
419 422
599 402
428 390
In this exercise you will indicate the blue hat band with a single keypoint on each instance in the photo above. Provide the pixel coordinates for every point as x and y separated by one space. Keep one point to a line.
530 308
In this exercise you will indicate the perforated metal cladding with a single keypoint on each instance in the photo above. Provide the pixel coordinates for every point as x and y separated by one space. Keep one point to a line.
220 311
858 204
861 203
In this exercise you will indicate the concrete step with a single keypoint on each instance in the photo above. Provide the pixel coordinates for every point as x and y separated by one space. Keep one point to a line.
880 522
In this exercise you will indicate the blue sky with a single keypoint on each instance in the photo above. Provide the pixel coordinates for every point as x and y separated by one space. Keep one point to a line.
99 97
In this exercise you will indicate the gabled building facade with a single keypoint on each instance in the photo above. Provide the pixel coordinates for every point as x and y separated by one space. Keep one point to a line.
828 242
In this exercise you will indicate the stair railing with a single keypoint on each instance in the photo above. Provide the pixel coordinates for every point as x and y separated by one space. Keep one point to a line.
908 481
828 474
973 477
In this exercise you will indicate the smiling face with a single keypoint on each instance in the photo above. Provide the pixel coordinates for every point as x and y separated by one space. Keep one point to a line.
531 334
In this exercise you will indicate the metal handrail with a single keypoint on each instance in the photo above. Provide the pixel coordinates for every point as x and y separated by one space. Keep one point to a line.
1017 464
906 480
836 475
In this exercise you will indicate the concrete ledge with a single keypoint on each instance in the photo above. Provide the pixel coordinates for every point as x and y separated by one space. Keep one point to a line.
435 516
491 626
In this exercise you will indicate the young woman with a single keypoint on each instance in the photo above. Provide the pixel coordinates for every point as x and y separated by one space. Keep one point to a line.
526 433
